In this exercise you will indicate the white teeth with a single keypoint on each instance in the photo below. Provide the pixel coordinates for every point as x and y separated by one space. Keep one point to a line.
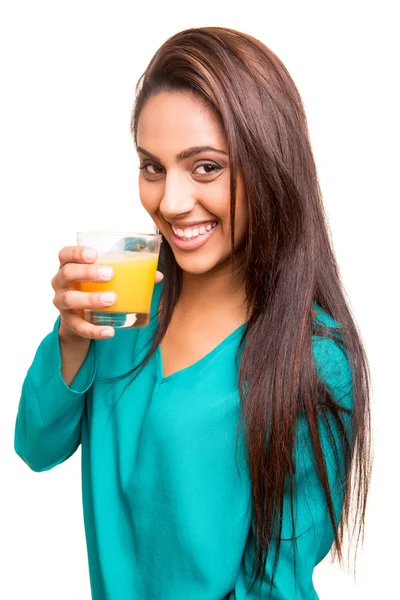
189 233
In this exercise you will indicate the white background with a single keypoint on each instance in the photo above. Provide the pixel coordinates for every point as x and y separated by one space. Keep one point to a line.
67 163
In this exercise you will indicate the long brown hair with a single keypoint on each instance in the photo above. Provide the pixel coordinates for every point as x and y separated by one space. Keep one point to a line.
289 265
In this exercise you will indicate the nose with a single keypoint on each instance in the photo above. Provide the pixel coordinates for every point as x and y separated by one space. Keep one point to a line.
179 197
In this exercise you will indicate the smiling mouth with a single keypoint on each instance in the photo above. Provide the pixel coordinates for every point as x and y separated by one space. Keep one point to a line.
191 233
193 237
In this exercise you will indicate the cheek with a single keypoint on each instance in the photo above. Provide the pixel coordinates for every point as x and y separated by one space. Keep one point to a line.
148 198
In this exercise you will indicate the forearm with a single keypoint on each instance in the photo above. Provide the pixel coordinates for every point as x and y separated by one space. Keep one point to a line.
43 446
73 352
48 424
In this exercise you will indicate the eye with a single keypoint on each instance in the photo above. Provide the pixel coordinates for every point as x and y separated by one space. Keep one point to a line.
209 168
150 169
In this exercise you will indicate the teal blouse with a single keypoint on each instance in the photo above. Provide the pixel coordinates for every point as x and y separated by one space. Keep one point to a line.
167 509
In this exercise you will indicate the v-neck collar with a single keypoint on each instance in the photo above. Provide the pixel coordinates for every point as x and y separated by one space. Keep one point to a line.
198 363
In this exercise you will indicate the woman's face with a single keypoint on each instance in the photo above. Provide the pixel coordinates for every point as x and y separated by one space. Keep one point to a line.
184 180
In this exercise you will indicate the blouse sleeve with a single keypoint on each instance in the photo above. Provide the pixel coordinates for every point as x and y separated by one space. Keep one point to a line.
48 423
314 534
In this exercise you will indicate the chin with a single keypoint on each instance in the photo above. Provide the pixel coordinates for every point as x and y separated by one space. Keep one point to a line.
195 266
198 264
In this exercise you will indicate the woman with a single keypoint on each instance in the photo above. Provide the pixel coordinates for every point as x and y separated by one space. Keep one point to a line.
219 442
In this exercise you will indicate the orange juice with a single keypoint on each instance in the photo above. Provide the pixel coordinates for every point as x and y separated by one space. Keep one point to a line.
133 281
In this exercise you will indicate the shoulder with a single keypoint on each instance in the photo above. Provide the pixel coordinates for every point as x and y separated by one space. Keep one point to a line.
323 318
330 356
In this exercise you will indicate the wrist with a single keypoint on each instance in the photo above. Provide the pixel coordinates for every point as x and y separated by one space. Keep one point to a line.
69 338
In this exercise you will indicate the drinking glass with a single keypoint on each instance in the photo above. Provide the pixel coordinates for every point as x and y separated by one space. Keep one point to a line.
134 258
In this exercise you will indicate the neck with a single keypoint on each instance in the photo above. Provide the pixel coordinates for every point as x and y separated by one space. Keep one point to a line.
220 289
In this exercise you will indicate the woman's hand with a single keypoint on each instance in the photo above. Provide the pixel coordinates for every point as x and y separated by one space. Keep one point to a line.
76 265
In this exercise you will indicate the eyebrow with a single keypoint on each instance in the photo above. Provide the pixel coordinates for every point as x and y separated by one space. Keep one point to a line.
185 153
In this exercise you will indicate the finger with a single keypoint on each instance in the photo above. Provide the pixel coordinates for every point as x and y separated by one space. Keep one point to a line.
73 272
74 300
84 329
159 276
77 254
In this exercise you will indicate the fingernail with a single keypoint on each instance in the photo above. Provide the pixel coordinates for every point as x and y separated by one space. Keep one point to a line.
107 333
105 272
88 253
108 298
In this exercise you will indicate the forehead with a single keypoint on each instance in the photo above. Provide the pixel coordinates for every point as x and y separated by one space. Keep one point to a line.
173 121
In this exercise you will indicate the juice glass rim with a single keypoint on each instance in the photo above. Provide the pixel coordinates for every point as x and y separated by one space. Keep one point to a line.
121 233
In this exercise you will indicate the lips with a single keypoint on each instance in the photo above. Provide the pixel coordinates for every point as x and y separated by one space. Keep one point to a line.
195 241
